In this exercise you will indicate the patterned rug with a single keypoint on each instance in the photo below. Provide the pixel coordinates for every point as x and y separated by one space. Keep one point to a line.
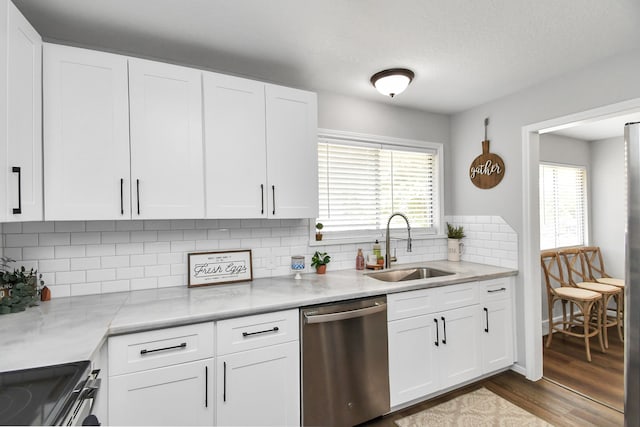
478 409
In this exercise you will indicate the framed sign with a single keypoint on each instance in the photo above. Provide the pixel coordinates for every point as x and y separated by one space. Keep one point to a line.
486 170
215 268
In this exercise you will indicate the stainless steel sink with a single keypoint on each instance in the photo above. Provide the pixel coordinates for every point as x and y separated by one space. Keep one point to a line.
408 274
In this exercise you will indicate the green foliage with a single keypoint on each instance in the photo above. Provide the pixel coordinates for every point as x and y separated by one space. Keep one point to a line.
319 226
21 288
455 232
320 258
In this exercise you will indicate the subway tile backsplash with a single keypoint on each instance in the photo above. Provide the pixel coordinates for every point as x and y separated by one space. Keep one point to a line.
80 258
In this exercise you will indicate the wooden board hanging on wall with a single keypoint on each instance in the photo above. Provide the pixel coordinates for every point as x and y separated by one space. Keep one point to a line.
487 170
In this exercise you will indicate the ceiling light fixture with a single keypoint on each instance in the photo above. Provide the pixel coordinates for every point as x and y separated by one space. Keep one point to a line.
392 82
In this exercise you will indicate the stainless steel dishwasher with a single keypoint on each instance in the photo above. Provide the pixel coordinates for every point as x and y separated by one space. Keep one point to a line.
345 363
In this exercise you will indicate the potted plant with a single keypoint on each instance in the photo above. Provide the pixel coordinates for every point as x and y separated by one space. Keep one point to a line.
319 260
19 288
319 227
454 245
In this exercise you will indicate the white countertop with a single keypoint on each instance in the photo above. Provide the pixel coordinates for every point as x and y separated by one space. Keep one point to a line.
71 329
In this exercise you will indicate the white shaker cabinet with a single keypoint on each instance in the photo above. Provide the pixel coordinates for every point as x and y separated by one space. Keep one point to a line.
258 370
236 165
292 152
261 149
20 117
177 395
497 332
167 177
86 134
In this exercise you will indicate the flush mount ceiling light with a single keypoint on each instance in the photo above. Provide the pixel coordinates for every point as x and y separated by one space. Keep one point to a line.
392 82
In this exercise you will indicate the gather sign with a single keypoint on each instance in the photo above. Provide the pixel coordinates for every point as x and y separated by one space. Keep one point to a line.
486 170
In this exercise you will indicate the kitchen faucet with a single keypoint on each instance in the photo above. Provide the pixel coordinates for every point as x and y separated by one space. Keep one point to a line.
387 258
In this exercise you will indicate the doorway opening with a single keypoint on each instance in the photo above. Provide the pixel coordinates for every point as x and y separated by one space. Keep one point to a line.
533 135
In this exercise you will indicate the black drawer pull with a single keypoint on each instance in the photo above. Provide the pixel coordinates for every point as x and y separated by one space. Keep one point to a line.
224 381
206 386
138 195
262 198
444 330
145 351
486 314
273 190
274 329
496 290
121 196
18 210
437 343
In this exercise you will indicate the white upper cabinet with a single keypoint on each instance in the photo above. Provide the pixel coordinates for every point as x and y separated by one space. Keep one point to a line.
261 151
236 166
167 178
21 117
86 134
292 159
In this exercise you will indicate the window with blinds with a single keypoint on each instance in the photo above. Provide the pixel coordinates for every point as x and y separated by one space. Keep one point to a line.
361 185
563 206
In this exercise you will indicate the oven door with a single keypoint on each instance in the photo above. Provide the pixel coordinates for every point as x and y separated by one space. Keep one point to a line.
79 412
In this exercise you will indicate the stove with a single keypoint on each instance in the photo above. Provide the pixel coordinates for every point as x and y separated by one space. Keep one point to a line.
50 395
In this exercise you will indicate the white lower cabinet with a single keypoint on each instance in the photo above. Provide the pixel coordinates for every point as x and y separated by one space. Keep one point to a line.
258 370
174 395
259 387
431 350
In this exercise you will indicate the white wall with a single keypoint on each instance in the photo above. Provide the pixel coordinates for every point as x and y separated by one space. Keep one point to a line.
608 202
607 82
565 150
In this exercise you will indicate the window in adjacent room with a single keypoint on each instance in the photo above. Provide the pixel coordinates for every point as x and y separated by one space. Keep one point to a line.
563 206
361 183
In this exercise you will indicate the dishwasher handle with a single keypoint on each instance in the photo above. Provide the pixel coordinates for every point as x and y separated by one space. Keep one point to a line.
343 315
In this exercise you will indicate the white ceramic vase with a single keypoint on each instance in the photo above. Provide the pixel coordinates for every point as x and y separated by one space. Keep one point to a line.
454 249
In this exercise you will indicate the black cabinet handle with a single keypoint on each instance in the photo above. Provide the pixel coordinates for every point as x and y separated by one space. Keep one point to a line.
18 210
274 329
496 290
273 190
262 198
206 386
173 347
486 315
121 196
138 194
224 381
444 330
437 343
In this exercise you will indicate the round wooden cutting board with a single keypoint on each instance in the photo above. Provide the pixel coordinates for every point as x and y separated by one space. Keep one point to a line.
487 170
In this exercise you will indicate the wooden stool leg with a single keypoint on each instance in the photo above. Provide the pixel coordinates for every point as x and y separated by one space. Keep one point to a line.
599 326
586 309
619 303
550 302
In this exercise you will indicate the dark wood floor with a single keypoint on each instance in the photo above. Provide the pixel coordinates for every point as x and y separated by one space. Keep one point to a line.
603 379
551 402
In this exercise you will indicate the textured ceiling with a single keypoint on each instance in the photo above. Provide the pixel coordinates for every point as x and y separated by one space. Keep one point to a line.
464 52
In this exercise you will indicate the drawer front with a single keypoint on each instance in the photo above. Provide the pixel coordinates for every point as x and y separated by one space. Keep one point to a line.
163 347
246 333
460 295
412 303
496 289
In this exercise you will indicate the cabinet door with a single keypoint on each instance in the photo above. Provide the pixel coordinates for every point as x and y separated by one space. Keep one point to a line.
86 134
292 153
24 119
167 178
259 387
497 335
235 147
413 370
175 395
459 352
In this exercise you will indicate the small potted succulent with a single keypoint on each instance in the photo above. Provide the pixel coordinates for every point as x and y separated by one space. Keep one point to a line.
454 245
319 228
19 288
319 260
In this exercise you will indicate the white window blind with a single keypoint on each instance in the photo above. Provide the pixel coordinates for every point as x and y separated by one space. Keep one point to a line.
563 206
361 185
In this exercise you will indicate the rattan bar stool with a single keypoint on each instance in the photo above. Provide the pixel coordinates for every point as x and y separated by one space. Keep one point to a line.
577 272
588 302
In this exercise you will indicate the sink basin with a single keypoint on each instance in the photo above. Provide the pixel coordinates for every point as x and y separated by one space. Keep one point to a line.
409 274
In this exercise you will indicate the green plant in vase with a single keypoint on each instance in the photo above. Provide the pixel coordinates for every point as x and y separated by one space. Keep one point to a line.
319 227
19 288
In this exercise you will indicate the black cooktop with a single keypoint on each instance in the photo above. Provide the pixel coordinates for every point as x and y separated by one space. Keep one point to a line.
39 396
